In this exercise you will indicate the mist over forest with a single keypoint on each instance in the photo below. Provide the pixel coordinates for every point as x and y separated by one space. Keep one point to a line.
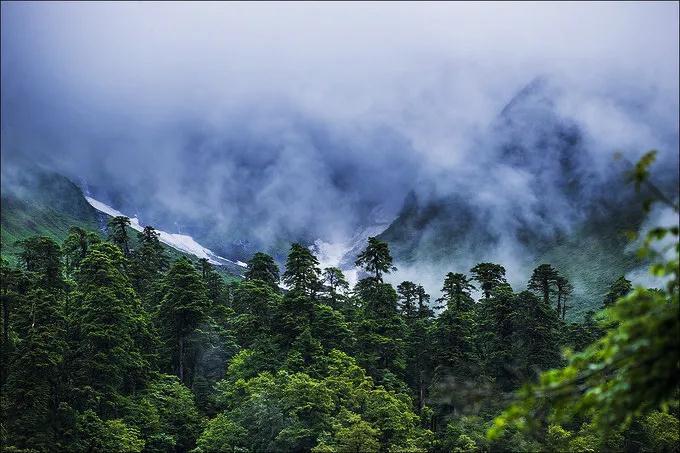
433 204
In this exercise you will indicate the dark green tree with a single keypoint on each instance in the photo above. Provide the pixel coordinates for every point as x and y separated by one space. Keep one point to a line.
456 292
13 285
118 233
76 246
111 355
41 257
424 310
183 309
408 298
619 288
262 267
30 395
564 290
543 280
302 270
489 276
376 258
148 262
335 283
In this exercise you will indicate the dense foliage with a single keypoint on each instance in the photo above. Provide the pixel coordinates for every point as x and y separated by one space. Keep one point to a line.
108 346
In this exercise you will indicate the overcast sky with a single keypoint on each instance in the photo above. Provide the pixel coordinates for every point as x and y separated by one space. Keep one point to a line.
303 111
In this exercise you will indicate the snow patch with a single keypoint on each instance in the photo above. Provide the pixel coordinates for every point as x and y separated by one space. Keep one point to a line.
182 242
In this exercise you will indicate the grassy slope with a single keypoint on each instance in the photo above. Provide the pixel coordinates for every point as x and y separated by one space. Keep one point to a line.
44 204
48 204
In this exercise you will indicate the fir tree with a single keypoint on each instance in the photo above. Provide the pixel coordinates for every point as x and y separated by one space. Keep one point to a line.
335 282
302 271
118 233
376 259
542 281
262 267
619 288
456 292
183 308
408 297
489 276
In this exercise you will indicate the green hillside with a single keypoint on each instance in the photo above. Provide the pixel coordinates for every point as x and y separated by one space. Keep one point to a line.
42 203
591 255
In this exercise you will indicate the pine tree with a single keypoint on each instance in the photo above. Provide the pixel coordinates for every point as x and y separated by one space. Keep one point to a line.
41 257
148 262
13 285
564 290
183 309
335 282
262 267
619 288
456 292
376 259
424 310
30 394
408 296
113 331
489 276
542 281
302 271
76 245
118 233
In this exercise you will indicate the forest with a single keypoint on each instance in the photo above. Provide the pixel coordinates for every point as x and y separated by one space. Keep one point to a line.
109 346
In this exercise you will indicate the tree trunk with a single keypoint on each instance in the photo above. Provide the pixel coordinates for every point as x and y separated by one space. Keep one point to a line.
5 319
559 303
421 391
181 359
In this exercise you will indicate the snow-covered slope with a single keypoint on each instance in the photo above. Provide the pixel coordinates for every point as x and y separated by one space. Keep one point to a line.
182 242
342 254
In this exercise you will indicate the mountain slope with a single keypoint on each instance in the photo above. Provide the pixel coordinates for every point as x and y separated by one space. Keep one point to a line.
540 200
37 202
40 202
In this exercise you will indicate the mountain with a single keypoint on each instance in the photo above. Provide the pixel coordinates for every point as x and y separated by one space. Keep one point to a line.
36 201
541 200
39 202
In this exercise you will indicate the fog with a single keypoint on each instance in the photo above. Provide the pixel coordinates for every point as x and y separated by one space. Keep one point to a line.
265 123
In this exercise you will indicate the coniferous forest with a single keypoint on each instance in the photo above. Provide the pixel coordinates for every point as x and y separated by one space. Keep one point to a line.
108 345
339 227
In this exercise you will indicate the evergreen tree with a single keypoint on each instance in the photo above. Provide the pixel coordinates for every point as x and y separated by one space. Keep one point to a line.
542 281
456 292
148 262
381 331
41 257
217 290
111 355
262 267
118 233
619 288
335 282
564 290
489 276
302 271
13 284
76 245
376 259
424 310
183 309
408 297
30 394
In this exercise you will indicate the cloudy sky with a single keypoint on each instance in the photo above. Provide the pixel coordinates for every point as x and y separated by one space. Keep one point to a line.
301 118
